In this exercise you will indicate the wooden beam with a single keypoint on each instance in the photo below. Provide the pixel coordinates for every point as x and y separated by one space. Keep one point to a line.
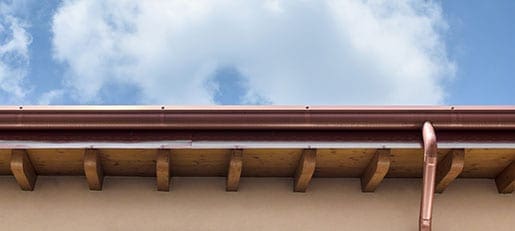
449 168
163 170
234 172
376 170
305 170
93 169
22 169
506 180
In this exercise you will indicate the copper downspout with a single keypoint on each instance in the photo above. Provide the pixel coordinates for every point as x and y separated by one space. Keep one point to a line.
428 178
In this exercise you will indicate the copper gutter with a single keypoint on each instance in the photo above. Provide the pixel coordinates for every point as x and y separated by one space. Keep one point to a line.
254 118
428 177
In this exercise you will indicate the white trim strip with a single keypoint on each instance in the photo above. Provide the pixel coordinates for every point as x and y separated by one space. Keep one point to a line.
187 144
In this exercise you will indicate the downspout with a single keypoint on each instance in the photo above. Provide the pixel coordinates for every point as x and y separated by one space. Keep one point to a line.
428 178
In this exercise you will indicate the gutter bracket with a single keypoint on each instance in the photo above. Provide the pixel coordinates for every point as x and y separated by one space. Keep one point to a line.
428 177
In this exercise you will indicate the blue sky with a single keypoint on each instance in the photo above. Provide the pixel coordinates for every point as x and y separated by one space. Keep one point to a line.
481 41
257 52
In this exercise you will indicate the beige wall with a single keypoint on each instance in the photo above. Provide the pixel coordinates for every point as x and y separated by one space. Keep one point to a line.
64 203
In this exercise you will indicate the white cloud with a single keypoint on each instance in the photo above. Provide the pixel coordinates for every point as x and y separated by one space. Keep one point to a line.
51 97
292 52
14 55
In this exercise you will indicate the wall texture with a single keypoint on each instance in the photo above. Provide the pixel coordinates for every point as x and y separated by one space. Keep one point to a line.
64 203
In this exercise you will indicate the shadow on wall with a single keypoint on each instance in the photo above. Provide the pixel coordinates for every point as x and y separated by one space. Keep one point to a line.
132 203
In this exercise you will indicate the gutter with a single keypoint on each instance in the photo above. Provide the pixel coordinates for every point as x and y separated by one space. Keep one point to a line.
255 118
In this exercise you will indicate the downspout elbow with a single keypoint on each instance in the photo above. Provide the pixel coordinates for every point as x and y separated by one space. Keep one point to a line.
429 173
429 137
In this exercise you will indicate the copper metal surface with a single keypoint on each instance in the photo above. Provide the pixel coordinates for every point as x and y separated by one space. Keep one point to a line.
428 177
470 137
254 117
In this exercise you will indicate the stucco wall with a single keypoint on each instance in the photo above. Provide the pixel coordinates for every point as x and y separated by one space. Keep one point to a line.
64 203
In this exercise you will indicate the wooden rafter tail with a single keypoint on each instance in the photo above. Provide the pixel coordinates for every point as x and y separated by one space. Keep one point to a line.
305 170
93 169
376 170
22 169
234 171
163 170
506 179
449 168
